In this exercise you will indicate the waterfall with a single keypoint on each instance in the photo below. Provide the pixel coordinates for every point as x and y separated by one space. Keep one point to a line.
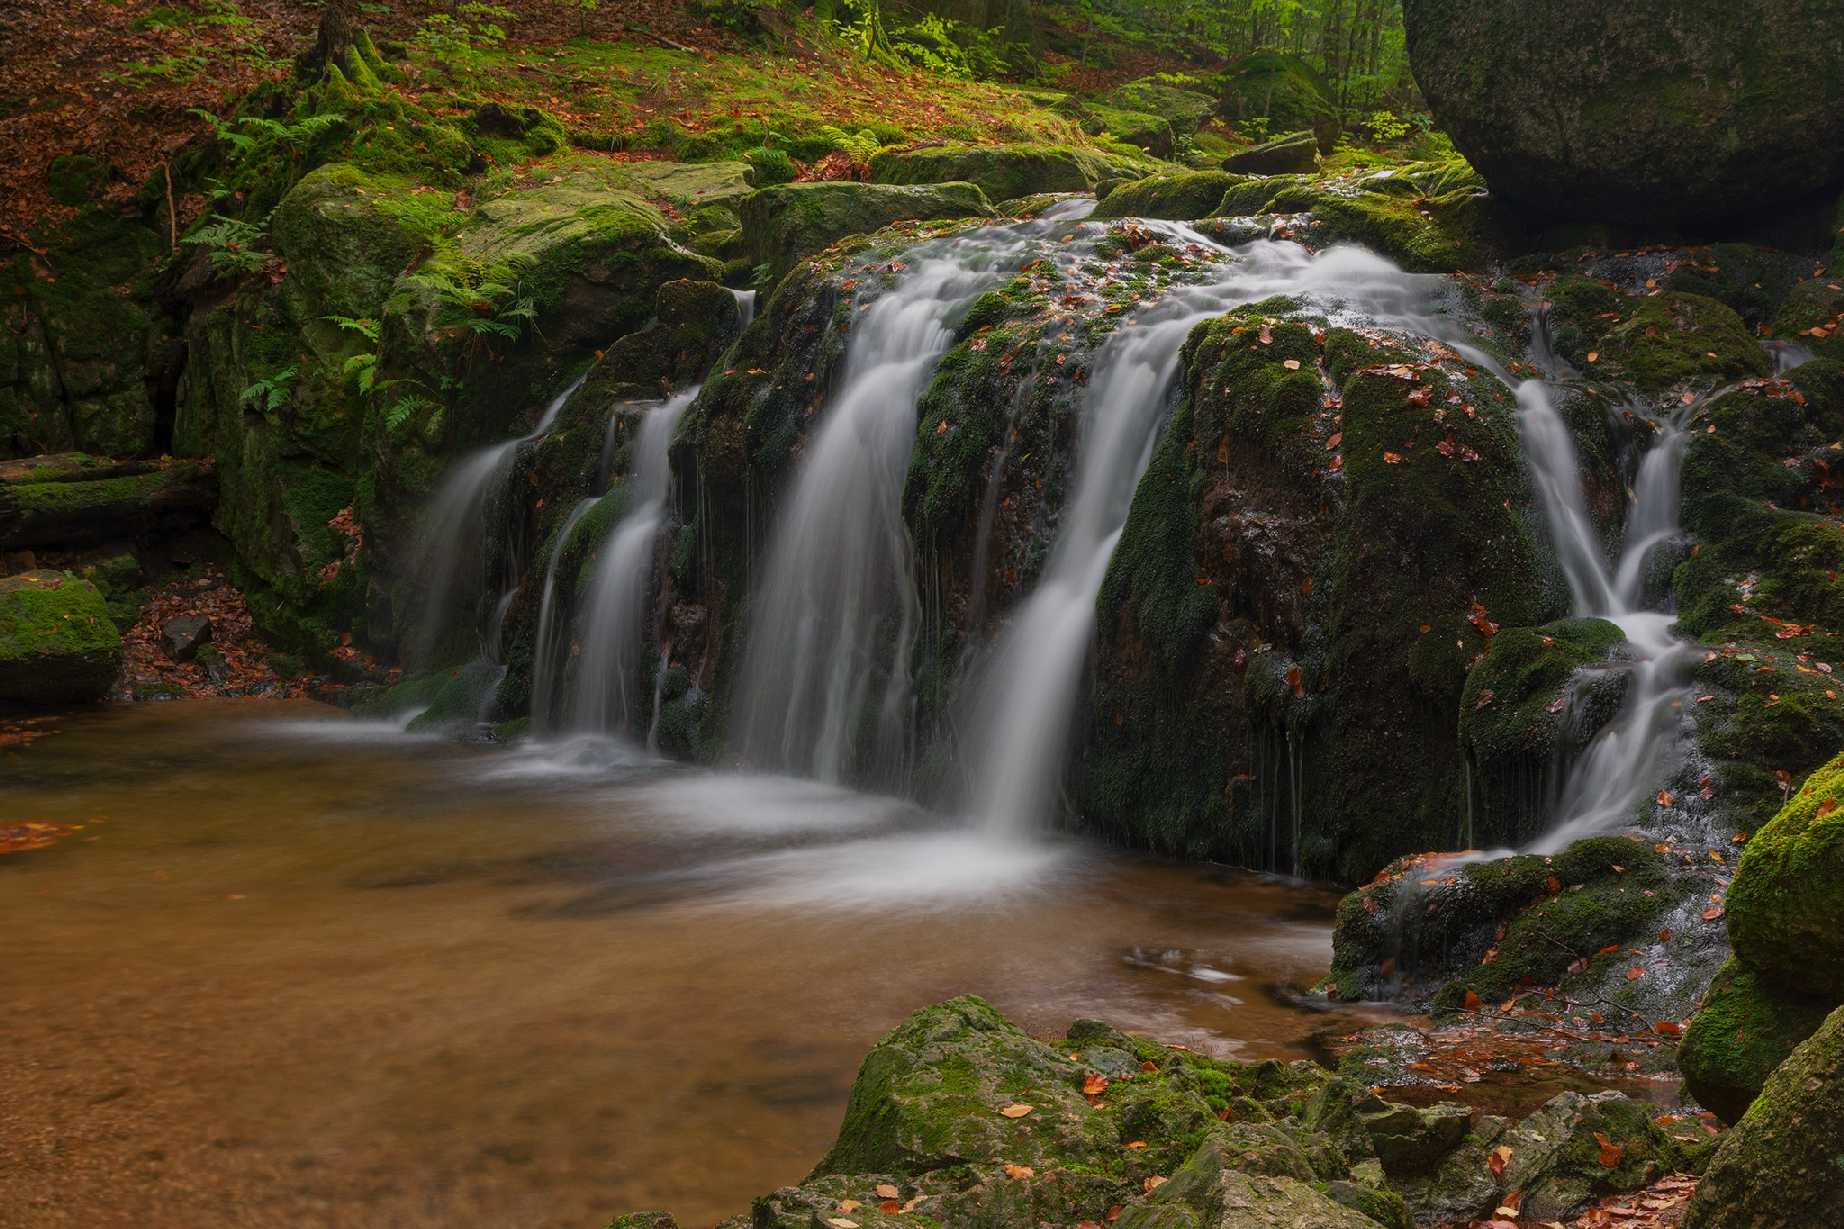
548 657
614 617
453 528
745 307
1026 700
832 622
1621 765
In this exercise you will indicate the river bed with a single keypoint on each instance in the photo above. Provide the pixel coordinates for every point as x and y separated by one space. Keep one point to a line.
299 969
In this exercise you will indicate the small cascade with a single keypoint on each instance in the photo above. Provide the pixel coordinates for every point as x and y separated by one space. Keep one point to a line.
745 307
453 529
1026 699
613 615
548 656
835 614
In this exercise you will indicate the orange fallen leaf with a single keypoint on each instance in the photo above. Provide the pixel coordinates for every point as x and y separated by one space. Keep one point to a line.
1094 1085
886 1190
1610 1151
1501 1157
1017 1109
1019 1172
1392 458
1152 1183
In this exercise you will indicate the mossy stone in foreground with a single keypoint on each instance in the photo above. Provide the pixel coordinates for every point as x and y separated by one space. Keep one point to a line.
1782 1167
1786 910
57 645
1741 1033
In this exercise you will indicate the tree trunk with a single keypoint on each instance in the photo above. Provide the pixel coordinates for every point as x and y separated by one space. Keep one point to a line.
339 29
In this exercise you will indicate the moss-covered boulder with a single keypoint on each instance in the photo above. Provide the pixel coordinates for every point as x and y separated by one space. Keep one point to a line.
1000 171
1646 112
57 645
1739 1035
1172 100
1537 697
789 222
1179 195
1786 915
1656 342
1283 91
1269 644
1782 1167
1294 154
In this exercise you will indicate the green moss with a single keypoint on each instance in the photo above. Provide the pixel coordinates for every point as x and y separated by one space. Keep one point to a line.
1786 917
57 645
785 224
1508 707
1179 195
1001 171
1253 194
1782 1163
1739 1035
1657 342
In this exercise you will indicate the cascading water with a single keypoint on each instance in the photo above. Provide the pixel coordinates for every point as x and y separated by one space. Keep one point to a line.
835 615
453 528
548 655
1027 696
745 307
608 692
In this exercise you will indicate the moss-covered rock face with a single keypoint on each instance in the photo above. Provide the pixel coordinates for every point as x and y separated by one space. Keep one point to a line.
1000 171
1556 1153
80 339
1270 645
1650 112
68 500
1283 90
57 645
1786 915
1782 1167
1533 701
1183 108
1740 1034
1655 342
1464 933
1430 217
1179 196
789 222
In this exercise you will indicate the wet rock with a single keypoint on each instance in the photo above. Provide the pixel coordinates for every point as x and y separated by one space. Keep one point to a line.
788 222
1782 1167
1213 1191
1415 1139
57 645
184 636
644 1220
1293 154
1461 1186
1647 112
1561 1164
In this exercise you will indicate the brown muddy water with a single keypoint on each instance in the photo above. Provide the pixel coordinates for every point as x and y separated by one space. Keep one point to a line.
302 970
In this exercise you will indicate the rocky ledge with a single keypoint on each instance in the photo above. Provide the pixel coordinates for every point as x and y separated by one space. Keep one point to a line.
958 1118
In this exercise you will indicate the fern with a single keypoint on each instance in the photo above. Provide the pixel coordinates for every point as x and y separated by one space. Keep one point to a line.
858 146
232 244
271 392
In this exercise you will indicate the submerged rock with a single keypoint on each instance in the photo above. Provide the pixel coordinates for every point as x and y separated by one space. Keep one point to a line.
1782 1167
1647 112
57 645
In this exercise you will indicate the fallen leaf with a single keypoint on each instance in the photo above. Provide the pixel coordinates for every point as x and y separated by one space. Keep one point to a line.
1501 1157
886 1190
1152 1183
1019 1172
1610 1151
1094 1085
1017 1109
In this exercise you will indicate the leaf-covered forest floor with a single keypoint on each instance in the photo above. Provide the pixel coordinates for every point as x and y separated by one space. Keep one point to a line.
125 82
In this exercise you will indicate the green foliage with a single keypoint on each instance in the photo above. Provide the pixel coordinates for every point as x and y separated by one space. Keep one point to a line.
271 392
1385 125
362 367
473 299
949 48
460 41
770 166
232 245
858 146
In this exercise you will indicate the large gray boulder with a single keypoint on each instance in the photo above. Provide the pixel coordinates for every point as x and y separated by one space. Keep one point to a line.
1651 111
